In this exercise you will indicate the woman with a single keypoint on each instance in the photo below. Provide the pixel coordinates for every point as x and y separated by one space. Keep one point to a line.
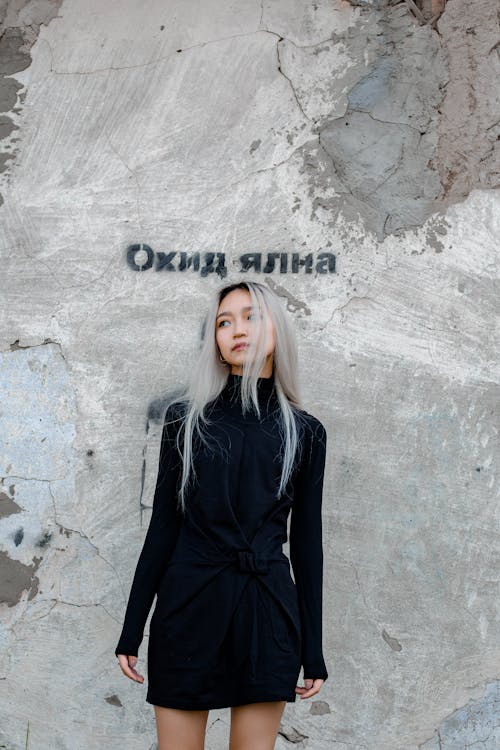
230 627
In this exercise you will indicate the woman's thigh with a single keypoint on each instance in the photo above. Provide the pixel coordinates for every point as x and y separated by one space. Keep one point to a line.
178 729
254 726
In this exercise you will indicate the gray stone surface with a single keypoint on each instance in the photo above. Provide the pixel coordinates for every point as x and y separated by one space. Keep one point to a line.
469 143
300 127
475 724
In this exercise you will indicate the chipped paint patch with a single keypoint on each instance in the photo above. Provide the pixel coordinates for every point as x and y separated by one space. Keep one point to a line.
114 700
19 28
391 641
8 506
17 578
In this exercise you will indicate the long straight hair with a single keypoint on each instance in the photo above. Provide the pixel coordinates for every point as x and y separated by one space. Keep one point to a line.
209 376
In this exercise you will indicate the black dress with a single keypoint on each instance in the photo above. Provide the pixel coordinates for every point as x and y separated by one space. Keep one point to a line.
230 626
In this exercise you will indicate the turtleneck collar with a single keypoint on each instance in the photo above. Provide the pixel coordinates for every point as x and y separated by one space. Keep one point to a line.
266 391
264 385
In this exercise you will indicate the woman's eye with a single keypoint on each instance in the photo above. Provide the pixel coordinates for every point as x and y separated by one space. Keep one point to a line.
221 323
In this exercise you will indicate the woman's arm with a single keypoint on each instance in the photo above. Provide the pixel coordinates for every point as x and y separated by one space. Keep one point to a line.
158 545
306 548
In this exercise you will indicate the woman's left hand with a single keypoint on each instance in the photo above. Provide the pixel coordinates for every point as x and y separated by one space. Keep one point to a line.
311 688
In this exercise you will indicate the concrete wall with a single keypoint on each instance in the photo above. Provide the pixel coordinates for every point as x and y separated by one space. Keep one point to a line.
364 131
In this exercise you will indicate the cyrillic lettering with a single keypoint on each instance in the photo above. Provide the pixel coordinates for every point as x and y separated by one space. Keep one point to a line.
249 260
325 263
164 260
271 259
132 251
297 261
192 260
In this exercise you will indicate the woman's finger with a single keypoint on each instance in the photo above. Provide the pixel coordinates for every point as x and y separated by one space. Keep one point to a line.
127 664
311 688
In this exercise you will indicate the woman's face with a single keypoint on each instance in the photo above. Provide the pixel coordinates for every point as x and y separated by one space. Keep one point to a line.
237 330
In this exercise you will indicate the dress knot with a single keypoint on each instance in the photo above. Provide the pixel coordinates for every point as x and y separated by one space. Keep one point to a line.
249 562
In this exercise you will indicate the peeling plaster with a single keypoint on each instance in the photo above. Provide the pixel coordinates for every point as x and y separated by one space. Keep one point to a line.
393 642
113 700
319 708
20 22
8 506
436 229
16 345
293 304
402 140
291 734
17 578
381 148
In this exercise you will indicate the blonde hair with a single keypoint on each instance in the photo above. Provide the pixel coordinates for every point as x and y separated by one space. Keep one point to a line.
209 375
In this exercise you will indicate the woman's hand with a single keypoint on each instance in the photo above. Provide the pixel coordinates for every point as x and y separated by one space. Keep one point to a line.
311 688
127 664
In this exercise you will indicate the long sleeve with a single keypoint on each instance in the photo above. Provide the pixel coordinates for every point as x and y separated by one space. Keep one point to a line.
306 548
158 545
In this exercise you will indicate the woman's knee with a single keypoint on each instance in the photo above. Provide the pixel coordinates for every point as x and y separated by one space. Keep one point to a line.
179 729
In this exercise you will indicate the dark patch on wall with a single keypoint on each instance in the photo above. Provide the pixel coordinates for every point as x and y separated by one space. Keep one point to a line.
113 700
382 149
293 304
291 734
16 40
155 416
319 708
396 182
15 577
422 126
16 345
391 641
44 539
18 536
8 506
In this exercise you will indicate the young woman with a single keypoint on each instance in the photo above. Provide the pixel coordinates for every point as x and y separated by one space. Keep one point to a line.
239 455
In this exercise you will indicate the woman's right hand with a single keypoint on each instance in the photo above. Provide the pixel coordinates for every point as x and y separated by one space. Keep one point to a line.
127 664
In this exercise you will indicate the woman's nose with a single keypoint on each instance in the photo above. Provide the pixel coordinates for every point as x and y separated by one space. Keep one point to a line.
239 328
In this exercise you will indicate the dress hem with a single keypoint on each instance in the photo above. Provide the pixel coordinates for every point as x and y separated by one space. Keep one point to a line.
207 706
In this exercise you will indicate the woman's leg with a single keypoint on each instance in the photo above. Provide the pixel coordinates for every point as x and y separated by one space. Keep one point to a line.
254 726
178 729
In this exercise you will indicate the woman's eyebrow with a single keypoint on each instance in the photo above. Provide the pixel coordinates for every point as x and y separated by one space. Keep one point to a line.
243 309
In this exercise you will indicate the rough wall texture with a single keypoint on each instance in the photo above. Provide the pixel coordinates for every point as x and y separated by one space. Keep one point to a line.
365 129
19 26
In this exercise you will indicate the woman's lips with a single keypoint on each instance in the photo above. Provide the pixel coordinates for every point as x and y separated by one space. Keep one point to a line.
239 346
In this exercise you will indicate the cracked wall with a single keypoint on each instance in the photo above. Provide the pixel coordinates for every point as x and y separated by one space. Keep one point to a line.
476 723
367 129
406 111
